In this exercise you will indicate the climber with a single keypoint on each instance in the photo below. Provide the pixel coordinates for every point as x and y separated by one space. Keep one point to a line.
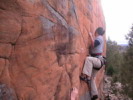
94 62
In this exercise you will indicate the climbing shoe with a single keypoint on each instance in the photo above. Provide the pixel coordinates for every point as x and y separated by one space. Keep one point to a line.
94 97
83 78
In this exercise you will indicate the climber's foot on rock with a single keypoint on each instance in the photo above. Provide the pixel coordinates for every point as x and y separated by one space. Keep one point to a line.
94 97
85 78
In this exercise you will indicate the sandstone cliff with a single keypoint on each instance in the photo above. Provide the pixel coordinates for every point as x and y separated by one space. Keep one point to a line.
43 45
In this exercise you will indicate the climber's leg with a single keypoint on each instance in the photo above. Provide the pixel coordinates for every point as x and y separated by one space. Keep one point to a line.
88 66
94 91
91 62
96 64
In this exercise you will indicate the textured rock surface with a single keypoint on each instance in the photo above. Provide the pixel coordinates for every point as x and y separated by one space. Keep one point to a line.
43 44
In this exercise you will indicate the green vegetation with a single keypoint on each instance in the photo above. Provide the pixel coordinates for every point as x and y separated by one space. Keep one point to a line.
120 64
127 68
114 58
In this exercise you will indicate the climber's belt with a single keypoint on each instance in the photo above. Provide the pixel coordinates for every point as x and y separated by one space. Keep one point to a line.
96 54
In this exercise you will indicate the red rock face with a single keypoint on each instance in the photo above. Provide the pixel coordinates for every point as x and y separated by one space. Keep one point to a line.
43 45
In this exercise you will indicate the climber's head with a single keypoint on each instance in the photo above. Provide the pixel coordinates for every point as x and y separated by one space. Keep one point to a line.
100 31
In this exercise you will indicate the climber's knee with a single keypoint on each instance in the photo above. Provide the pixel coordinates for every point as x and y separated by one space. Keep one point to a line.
89 59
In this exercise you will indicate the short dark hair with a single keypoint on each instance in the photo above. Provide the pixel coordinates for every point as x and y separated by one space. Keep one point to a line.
100 31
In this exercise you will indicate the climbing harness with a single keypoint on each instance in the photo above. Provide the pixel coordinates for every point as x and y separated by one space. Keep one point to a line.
103 62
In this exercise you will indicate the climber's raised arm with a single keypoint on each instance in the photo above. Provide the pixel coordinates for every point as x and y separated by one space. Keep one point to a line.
92 39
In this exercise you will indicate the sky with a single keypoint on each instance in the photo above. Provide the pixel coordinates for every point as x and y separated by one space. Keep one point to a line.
119 19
